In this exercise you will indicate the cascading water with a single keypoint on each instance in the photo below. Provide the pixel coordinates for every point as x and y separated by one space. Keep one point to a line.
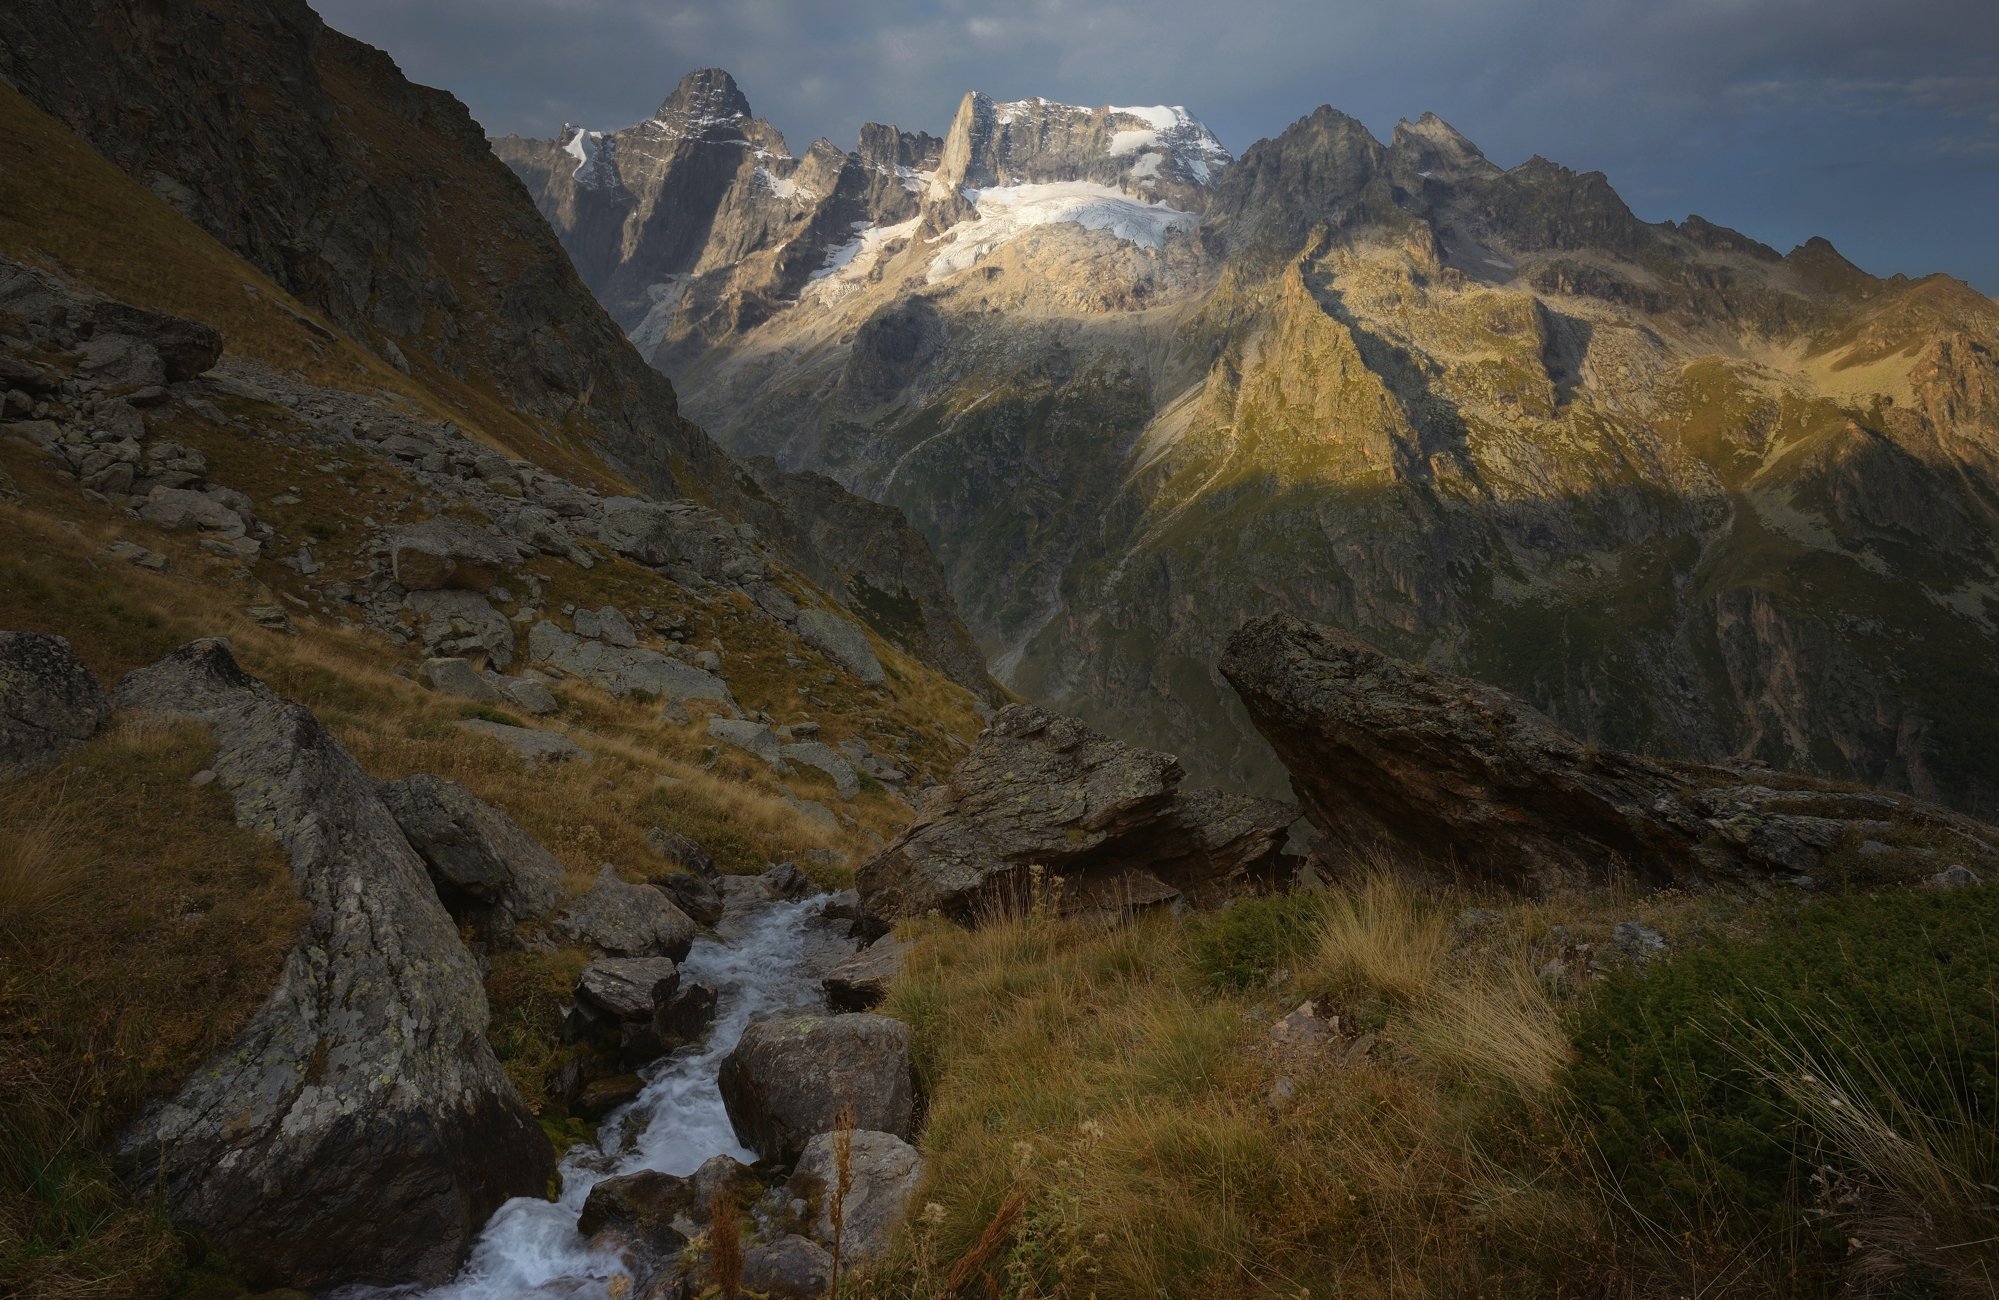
531 1248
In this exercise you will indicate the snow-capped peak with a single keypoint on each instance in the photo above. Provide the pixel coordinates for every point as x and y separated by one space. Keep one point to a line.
1170 130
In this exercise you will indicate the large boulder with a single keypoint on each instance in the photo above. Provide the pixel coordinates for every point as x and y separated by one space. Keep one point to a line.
450 553
883 1173
480 858
842 641
679 535
358 1129
49 702
621 919
1431 768
787 1079
1108 819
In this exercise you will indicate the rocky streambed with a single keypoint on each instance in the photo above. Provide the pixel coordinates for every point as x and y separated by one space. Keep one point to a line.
766 957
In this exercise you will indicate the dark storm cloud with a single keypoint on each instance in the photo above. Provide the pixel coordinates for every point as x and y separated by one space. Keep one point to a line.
1874 123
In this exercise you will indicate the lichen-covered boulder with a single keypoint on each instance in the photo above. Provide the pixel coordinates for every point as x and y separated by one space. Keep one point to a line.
358 1129
787 1079
49 702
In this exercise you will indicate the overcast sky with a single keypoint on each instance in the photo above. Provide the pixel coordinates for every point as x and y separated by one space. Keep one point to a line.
1872 122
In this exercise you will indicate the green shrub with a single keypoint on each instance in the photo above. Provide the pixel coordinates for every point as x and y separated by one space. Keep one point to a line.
1678 1063
1241 946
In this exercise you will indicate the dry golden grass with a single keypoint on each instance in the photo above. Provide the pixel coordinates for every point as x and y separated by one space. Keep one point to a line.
1381 937
1159 1143
167 933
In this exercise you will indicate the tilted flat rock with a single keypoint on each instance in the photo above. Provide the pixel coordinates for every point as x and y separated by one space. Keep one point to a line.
449 553
359 1127
477 854
533 744
861 981
630 988
622 670
1444 770
49 702
1044 790
787 1079
842 641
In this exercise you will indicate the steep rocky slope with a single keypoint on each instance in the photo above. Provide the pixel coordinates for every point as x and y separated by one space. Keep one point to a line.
352 189
544 697
1689 494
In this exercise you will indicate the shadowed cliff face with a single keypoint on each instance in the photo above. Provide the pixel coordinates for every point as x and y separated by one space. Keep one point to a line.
1689 494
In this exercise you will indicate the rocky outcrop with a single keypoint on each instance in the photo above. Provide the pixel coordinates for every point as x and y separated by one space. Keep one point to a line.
487 869
1107 822
789 1077
359 1128
443 553
49 702
1432 769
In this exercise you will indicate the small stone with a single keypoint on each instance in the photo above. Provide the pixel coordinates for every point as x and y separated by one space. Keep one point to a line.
1639 943
203 777
1953 877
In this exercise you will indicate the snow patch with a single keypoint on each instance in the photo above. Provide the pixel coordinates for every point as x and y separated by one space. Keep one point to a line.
1009 211
784 187
848 264
1169 130
594 168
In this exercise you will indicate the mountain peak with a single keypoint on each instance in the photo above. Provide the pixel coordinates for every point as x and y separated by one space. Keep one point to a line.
706 95
1438 148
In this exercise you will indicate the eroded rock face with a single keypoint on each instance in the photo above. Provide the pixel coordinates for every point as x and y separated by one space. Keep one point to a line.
1108 819
49 702
787 1079
1440 770
480 858
359 1128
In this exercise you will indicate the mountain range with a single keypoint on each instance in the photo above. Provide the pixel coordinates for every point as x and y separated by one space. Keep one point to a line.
1688 493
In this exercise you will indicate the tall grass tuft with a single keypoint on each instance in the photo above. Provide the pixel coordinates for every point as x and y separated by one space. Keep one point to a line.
1382 938
41 863
1915 1185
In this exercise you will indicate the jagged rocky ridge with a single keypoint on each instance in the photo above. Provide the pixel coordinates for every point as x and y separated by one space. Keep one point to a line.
1689 494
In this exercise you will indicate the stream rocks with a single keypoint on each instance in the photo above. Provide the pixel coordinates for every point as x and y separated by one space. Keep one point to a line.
359 1127
621 919
49 702
786 1081
1108 820
861 982
883 1171
1388 756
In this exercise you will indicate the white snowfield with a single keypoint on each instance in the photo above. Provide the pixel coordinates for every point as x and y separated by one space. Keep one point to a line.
1008 211
848 264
